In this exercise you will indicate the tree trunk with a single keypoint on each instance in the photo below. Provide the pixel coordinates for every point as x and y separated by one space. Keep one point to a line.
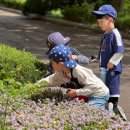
121 9
119 5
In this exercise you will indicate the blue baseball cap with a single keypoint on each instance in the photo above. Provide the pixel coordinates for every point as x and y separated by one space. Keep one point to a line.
61 53
106 10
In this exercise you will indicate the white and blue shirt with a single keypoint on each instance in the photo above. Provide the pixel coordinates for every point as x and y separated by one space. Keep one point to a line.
111 43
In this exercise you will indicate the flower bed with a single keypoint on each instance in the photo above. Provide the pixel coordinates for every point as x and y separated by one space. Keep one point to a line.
52 115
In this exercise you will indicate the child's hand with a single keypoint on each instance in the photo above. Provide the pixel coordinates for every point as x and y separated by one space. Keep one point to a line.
110 65
75 57
71 93
94 58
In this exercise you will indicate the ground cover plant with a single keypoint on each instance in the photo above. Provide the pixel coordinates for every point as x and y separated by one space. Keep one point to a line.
53 114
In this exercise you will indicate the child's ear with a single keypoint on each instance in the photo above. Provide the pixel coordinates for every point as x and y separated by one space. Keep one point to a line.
60 63
111 19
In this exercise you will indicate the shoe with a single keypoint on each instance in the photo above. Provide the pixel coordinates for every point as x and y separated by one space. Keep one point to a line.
110 109
119 111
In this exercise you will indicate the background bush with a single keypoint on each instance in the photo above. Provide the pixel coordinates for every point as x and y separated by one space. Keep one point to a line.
79 13
17 4
123 21
34 6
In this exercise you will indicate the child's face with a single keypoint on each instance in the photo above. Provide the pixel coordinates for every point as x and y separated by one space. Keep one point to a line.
57 66
50 45
104 23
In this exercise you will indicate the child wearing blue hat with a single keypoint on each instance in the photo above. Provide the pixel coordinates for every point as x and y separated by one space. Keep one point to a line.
111 51
56 38
66 69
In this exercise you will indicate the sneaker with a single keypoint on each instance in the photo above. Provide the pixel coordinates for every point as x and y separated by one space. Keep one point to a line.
119 111
110 109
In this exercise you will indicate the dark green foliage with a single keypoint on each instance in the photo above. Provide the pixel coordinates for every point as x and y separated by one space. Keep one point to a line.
54 4
51 93
19 66
127 7
79 13
17 4
34 6
123 22
74 14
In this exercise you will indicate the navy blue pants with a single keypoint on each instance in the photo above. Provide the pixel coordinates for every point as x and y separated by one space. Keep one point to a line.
113 82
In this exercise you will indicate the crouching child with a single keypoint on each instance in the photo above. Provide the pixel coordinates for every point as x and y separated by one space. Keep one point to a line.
68 72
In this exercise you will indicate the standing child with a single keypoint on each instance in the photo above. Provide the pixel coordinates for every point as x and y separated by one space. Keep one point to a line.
89 85
56 38
111 51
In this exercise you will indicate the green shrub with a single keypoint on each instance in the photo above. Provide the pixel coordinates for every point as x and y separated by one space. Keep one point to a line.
74 13
19 66
123 22
13 3
126 6
34 6
56 13
79 13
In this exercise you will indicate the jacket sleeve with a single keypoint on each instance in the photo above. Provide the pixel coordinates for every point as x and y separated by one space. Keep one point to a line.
83 59
116 58
54 79
92 84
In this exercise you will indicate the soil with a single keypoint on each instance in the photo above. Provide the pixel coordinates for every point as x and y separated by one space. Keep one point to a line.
30 35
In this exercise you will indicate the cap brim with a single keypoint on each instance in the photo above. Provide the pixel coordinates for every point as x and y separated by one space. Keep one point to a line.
70 63
66 40
99 13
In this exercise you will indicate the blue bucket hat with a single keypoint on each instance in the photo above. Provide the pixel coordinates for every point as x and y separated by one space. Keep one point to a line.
61 53
106 10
